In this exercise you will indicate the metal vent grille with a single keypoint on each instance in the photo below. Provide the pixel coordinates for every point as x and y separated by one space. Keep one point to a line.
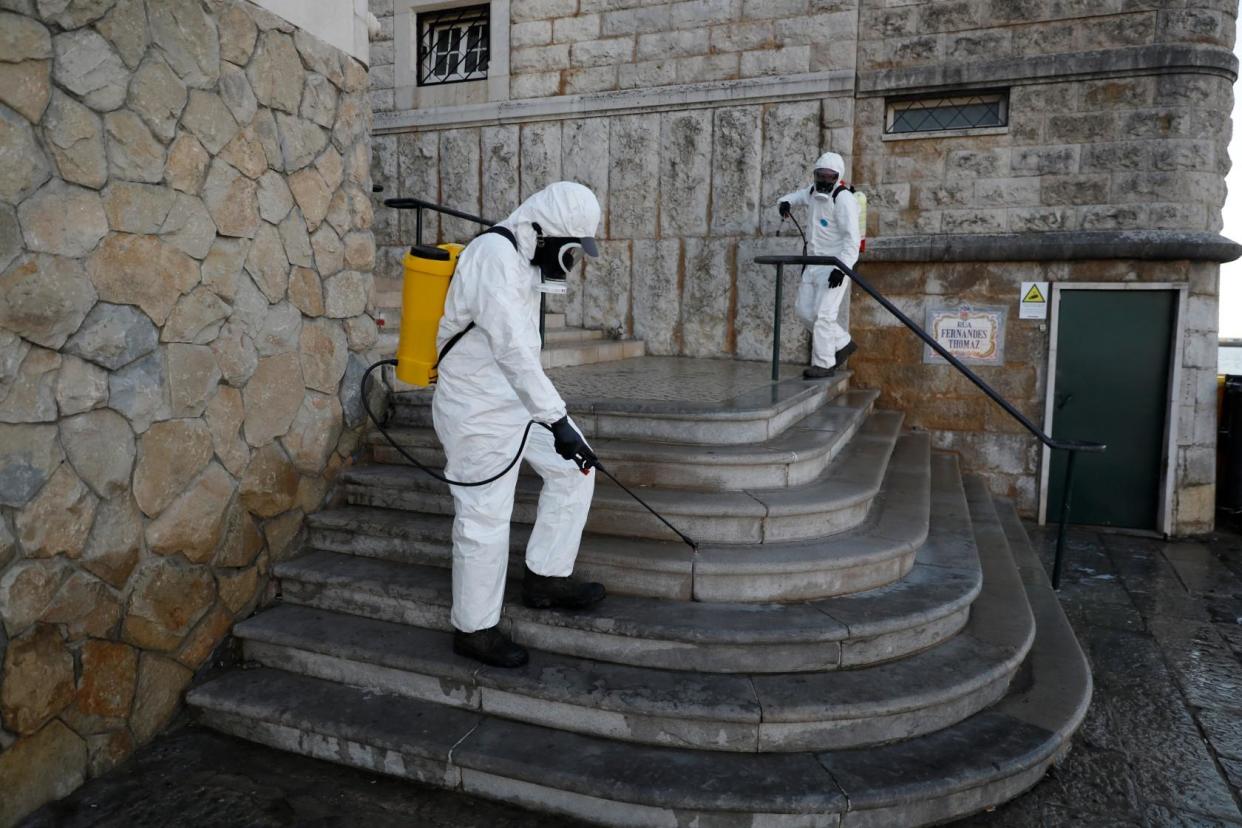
453 45
944 114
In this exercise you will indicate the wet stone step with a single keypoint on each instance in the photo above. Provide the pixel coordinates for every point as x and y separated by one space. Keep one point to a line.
905 693
701 401
796 457
837 501
974 764
924 608
927 691
879 552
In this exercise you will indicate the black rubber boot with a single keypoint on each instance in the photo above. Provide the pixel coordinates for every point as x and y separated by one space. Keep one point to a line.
845 353
490 646
815 372
546 592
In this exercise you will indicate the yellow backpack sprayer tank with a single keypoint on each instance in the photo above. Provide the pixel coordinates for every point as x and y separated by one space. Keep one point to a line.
425 284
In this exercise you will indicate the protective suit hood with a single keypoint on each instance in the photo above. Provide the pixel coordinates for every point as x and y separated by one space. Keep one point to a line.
832 161
564 208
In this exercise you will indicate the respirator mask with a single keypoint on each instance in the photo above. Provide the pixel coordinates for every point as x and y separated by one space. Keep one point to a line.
825 182
556 256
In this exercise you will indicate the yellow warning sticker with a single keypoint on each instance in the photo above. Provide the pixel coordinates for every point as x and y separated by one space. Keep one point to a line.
1034 304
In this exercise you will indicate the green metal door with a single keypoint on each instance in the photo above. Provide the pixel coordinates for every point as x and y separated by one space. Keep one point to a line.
1112 385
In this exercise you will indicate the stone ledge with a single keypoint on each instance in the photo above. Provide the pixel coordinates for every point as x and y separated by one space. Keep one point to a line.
1152 245
1162 58
561 107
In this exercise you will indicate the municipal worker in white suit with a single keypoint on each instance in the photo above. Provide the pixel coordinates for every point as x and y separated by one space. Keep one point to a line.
832 221
491 385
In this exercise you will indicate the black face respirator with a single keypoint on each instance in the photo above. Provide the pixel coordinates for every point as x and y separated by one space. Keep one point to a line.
556 256
825 181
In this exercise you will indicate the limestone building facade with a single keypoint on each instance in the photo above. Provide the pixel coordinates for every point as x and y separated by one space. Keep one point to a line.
1089 149
185 278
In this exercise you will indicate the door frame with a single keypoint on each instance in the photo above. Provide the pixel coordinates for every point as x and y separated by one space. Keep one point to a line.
1164 521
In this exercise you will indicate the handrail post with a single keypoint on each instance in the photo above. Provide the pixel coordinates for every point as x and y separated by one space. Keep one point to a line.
776 324
1065 511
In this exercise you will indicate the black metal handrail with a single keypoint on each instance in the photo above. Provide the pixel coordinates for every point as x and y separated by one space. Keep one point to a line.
419 204
1070 446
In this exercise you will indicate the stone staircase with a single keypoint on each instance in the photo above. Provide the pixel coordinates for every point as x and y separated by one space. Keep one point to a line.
864 637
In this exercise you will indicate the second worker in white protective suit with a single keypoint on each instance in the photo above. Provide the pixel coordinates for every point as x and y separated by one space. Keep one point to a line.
491 385
832 219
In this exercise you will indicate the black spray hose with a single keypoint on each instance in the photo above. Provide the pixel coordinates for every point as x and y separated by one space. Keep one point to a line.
366 404
800 233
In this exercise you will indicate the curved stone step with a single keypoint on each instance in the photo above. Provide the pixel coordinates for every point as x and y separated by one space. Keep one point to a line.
879 552
796 457
926 607
975 764
764 713
702 401
836 501
589 350
555 336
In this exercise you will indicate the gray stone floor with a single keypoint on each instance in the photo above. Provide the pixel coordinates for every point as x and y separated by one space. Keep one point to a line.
1161 745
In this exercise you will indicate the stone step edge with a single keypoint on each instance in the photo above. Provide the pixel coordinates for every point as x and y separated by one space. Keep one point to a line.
746 718
837 501
711 638
884 549
1048 709
655 410
777 734
742 454
796 457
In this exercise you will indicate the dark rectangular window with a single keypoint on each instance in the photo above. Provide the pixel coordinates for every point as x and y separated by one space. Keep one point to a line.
452 45
946 113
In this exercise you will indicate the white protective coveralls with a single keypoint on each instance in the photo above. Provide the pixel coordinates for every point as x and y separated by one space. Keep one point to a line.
833 231
490 386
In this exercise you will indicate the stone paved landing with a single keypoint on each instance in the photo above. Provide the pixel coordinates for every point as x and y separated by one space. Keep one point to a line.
709 383
1161 746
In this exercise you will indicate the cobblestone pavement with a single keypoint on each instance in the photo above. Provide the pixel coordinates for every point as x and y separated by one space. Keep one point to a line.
1161 746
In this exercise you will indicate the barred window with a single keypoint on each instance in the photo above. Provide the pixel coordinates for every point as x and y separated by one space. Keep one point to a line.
453 45
943 114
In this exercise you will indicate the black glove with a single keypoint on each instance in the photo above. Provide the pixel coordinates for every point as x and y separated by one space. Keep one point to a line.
785 209
836 277
570 445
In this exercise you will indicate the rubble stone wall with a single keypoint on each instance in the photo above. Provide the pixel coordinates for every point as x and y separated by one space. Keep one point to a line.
185 277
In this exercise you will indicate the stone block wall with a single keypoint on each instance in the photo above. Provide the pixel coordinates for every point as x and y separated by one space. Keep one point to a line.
689 200
937 398
1120 152
1117 135
564 47
1138 144
559 47
185 257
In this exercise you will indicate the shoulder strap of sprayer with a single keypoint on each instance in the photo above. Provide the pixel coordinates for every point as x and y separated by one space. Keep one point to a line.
838 190
455 338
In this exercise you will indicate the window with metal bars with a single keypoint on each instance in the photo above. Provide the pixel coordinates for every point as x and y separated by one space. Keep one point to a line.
452 45
944 114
